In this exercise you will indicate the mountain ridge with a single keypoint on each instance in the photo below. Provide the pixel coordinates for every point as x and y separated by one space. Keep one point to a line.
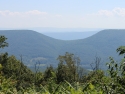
36 46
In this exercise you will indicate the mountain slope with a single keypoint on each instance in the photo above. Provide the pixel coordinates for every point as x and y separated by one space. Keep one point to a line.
102 44
34 46
31 44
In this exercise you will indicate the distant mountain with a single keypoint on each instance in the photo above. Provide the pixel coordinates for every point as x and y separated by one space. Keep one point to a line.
34 46
73 35
53 29
64 33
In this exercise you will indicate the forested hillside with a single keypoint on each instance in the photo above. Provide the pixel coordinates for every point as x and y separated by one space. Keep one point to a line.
34 46
68 78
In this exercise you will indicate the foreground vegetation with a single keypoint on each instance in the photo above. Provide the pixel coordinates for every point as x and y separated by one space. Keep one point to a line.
68 78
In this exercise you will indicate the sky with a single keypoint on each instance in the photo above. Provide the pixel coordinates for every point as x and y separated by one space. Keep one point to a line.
109 14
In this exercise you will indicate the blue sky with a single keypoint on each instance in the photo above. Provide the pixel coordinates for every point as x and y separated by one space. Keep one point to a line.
62 13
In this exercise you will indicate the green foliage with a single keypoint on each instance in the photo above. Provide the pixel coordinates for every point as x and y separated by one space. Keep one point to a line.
49 76
67 68
121 50
14 69
16 78
3 42
49 73
117 73
7 85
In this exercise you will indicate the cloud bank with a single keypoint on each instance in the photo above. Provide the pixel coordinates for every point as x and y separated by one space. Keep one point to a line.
115 12
114 18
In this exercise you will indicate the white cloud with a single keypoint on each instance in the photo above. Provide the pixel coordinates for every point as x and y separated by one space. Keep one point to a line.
22 19
114 18
36 12
33 12
105 13
119 11
109 13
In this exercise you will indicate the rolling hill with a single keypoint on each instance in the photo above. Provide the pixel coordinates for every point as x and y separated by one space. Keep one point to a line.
34 46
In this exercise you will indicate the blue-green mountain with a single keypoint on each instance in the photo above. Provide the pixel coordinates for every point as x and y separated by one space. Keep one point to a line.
36 47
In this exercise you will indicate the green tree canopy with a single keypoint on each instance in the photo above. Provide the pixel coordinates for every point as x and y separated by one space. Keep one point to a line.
121 50
67 67
3 42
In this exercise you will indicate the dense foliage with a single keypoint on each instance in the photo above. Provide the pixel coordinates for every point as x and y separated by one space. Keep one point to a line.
68 78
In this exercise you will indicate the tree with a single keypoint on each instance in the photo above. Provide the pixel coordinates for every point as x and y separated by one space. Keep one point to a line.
49 77
49 73
121 50
3 42
67 68
15 69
